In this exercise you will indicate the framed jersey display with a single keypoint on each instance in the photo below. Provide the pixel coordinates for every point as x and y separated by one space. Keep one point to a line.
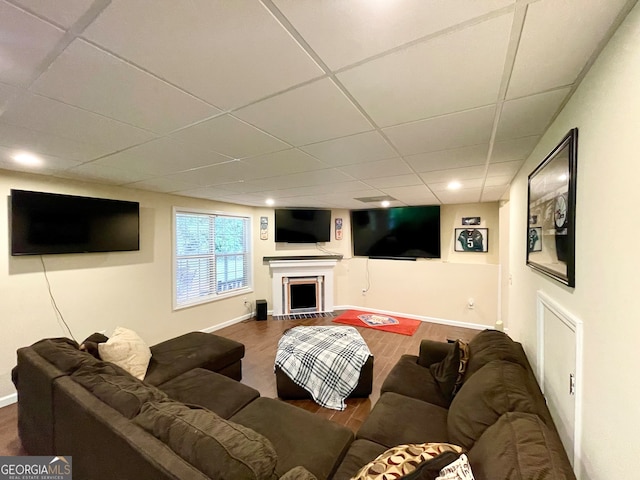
552 212
471 240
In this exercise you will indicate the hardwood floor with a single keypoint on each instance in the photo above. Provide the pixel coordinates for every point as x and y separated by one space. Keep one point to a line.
261 338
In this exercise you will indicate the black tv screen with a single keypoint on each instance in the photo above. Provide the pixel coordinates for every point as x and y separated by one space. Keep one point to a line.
297 225
48 223
399 232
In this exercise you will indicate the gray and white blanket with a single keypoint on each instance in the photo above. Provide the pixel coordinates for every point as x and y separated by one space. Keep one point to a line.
325 361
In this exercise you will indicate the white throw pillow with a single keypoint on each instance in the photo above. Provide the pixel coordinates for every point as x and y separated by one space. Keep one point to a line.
126 349
458 470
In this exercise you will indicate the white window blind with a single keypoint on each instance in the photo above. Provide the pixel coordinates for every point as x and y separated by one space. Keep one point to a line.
212 256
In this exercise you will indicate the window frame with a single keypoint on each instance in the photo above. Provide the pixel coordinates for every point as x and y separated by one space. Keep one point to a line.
174 258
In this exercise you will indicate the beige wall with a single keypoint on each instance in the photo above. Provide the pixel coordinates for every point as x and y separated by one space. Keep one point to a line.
438 289
606 109
99 291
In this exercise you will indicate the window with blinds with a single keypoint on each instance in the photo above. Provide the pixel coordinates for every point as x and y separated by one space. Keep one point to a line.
212 256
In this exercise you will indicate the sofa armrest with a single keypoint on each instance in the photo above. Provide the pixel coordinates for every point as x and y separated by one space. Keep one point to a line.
433 352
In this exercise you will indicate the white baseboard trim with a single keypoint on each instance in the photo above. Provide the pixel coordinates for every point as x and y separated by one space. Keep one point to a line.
8 400
228 323
422 318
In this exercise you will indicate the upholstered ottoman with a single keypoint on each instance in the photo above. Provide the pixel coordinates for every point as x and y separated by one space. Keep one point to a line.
194 350
287 389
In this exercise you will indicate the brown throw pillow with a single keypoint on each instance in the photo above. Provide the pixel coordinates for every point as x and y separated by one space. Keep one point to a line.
449 372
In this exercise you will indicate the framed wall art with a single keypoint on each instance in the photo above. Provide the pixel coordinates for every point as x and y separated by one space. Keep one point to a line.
551 212
471 240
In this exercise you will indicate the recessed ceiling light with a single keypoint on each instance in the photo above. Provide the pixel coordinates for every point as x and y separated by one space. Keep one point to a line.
269 201
27 159
385 203
455 185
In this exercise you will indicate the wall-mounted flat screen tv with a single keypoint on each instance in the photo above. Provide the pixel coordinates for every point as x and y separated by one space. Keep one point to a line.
399 232
48 223
299 225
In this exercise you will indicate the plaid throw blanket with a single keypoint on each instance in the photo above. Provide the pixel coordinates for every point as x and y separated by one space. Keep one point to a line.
325 361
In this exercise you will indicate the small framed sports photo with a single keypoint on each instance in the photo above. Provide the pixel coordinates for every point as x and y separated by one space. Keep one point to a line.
471 220
534 240
471 240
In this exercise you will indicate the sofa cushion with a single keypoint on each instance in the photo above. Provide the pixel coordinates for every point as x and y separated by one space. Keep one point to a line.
299 437
410 379
396 419
298 473
63 353
116 388
210 390
490 345
126 349
519 446
401 460
217 447
497 388
449 372
360 453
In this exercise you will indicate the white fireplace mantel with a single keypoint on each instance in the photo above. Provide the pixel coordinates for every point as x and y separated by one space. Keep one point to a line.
306 267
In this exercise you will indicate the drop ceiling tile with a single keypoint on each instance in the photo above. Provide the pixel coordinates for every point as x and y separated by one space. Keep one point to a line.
529 115
423 80
302 201
312 113
467 184
64 13
161 157
413 195
305 179
498 180
281 163
7 92
557 40
518 149
231 137
352 196
362 147
161 184
504 168
381 168
462 129
50 163
464 195
447 159
322 189
226 53
493 194
25 42
104 174
212 176
395 181
41 143
452 174
92 79
211 193
346 32
57 119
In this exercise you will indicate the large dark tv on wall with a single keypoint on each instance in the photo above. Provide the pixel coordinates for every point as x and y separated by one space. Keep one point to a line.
300 225
399 232
49 223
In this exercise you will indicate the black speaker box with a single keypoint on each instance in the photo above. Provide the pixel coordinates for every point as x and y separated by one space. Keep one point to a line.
261 309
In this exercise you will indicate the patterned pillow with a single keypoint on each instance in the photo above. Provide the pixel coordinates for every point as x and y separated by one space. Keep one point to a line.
401 460
449 373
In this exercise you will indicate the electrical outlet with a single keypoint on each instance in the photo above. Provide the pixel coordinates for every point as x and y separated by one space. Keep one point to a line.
364 292
471 303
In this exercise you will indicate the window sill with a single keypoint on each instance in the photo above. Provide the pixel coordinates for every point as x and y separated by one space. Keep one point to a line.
215 298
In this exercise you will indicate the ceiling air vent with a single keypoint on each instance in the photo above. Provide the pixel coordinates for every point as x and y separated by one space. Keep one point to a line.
378 199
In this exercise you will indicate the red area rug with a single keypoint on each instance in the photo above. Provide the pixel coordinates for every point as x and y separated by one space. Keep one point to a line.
379 321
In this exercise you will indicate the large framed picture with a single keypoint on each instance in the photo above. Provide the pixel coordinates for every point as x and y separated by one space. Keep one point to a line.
471 240
552 212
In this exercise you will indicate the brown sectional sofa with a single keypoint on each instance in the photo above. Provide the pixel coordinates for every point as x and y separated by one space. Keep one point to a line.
115 426
498 415
185 421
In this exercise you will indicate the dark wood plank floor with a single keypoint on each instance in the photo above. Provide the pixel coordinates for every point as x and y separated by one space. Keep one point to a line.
260 339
